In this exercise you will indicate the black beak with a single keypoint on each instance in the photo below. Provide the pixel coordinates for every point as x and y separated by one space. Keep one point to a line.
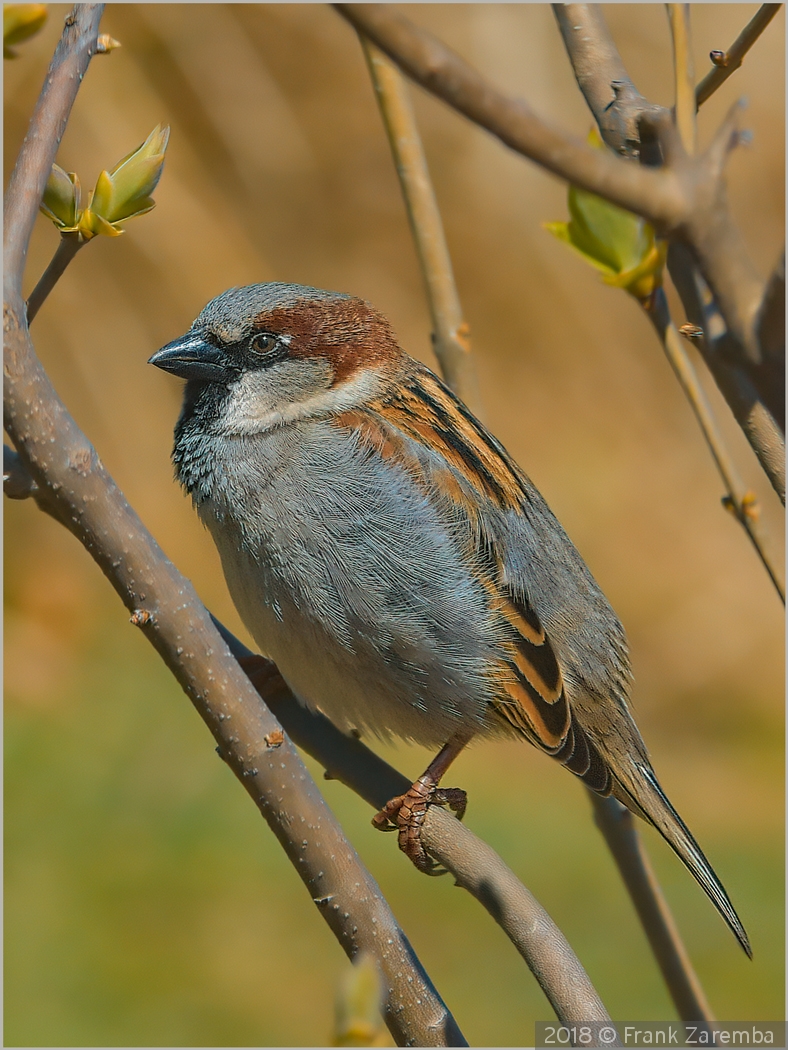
190 357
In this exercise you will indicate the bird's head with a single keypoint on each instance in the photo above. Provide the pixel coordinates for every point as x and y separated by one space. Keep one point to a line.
269 354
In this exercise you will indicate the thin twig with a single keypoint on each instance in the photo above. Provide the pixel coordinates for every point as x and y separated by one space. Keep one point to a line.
735 382
727 62
72 484
739 500
618 827
475 865
450 333
66 250
684 75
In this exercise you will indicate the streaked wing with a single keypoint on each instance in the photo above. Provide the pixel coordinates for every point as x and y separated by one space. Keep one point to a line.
531 697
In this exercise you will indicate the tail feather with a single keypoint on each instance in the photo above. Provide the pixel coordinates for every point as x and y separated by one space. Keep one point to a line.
647 799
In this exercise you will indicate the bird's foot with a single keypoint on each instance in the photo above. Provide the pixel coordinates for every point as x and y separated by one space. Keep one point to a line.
406 814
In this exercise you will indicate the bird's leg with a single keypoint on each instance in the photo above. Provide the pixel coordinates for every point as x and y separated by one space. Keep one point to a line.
406 813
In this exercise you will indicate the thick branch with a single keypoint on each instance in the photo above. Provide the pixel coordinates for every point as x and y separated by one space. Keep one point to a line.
658 196
26 188
727 62
474 865
684 199
736 384
601 76
450 335
757 400
73 485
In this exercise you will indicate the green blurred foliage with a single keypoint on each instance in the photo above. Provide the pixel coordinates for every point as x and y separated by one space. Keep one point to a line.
146 902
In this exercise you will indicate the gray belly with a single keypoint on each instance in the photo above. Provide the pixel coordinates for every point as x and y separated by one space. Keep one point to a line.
345 576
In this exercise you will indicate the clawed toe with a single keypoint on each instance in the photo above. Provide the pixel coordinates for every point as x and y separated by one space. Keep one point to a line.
406 814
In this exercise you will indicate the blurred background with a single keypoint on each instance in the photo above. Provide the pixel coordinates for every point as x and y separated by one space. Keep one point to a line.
146 902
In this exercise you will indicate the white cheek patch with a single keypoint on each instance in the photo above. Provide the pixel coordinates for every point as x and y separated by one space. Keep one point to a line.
293 390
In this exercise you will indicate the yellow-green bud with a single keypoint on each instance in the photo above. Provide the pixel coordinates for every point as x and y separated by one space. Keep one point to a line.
61 198
621 245
125 192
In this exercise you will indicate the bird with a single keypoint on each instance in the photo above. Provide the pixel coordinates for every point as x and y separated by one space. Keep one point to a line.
385 550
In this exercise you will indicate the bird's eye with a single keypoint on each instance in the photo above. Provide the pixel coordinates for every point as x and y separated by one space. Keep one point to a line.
263 343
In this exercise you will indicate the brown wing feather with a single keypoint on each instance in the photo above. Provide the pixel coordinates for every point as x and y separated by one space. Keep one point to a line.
531 698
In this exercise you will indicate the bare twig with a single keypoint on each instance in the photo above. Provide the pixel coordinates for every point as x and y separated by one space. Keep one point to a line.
727 62
450 333
617 825
739 499
72 484
735 382
474 865
66 250
685 199
679 17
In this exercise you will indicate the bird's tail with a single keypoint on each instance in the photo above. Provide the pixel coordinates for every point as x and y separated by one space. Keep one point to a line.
645 797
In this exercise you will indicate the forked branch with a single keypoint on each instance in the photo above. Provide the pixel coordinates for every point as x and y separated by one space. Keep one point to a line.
685 199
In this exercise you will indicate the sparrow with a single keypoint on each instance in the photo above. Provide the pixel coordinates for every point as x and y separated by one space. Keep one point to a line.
403 572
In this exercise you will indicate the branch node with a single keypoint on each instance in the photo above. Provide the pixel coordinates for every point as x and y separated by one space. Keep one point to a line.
141 618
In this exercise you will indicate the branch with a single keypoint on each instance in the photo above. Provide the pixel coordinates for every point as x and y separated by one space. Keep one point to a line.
72 484
658 196
739 500
616 824
66 250
757 401
29 177
475 866
686 199
450 333
610 94
734 381
727 62
684 75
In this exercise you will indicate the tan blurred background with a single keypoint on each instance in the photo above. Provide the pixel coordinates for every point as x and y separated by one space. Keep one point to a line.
146 903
